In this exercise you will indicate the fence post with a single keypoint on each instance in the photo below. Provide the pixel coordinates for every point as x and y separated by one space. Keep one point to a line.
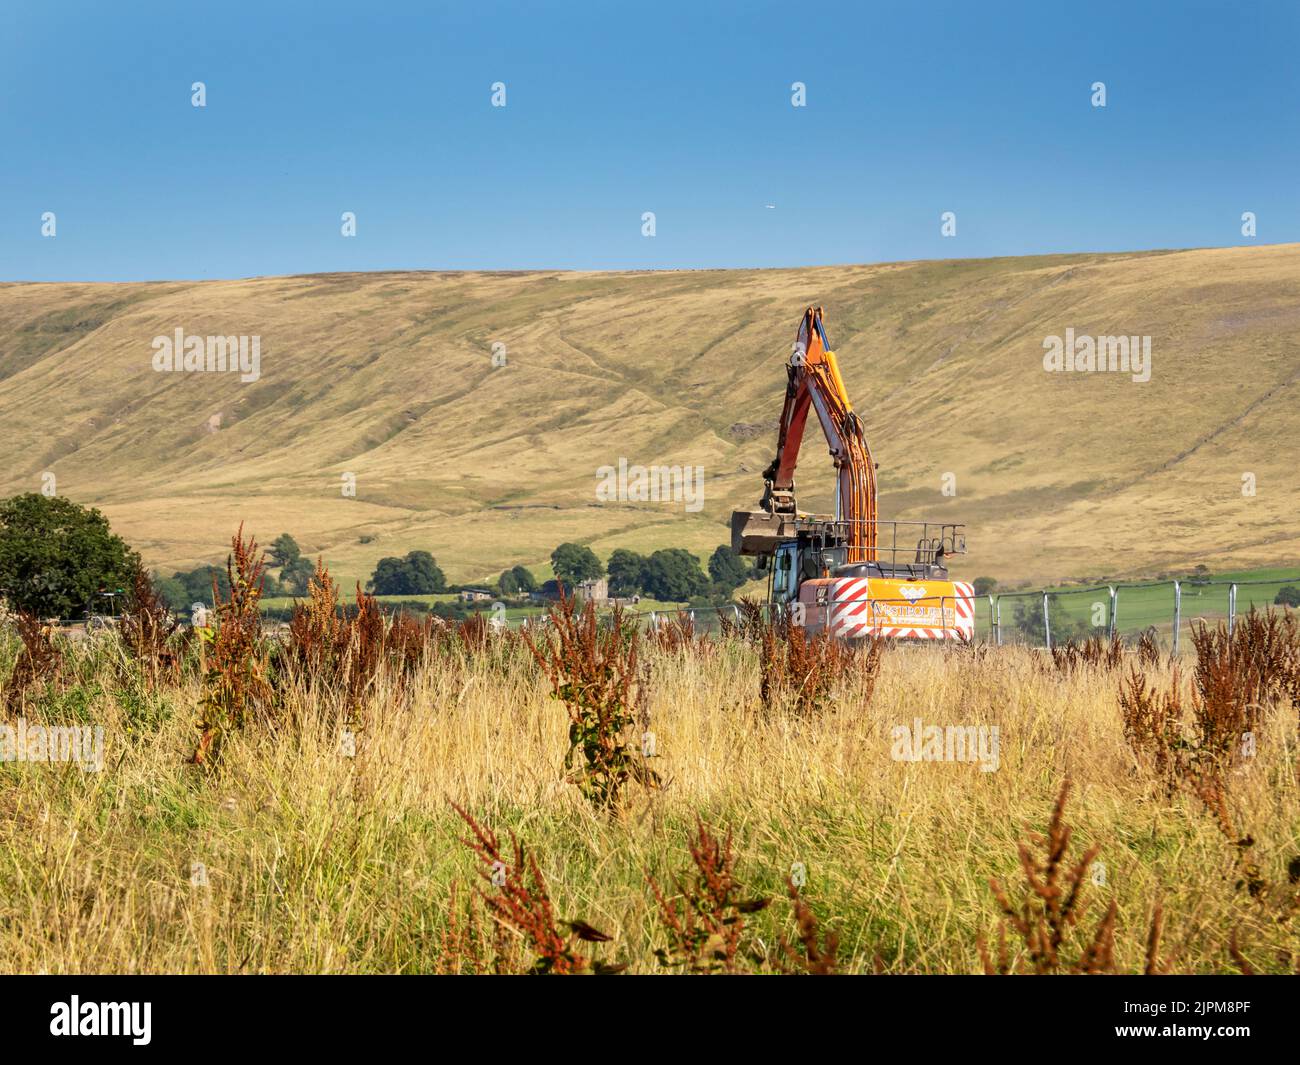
1178 613
1047 624
1114 602
995 615
1232 605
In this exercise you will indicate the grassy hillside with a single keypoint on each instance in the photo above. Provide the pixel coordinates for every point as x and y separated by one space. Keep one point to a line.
389 377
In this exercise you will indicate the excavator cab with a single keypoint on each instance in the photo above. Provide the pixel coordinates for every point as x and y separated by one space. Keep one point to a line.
854 575
800 560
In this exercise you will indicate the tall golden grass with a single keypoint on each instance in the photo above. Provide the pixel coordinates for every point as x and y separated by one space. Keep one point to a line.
327 842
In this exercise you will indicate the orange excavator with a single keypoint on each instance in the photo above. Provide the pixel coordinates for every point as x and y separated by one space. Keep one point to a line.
847 573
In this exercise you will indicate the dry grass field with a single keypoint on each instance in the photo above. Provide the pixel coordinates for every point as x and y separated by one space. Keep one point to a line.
389 377
291 853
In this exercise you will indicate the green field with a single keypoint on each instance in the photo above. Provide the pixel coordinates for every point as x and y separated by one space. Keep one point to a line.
1142 606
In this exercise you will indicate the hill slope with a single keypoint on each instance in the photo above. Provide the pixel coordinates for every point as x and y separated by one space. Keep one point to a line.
389 377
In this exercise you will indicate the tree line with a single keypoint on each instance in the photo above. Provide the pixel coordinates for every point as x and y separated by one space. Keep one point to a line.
671 574
60 559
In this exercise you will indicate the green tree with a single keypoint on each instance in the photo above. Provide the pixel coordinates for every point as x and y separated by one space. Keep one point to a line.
284 550
507 584
574 563
198 584
390 577
627 571
1288 595
184 588
727 569
983 585
674 575
524 579
55 555
425 573
173 594
416 574
295 574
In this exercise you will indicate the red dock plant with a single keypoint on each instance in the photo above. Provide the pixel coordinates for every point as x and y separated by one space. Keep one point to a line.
802 672
328 651
516 896
150 632
236 659
317 635
592 670
1051 906
40 660
819 953
705 920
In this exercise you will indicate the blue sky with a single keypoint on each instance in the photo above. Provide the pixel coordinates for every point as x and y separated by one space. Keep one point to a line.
384 109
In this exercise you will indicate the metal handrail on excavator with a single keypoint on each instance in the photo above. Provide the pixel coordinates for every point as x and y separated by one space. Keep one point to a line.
896 543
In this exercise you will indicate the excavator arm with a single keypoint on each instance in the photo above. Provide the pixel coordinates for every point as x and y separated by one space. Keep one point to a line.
814 382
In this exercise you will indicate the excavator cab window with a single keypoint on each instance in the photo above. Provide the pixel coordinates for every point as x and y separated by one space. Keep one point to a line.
809 565
785 573
832 558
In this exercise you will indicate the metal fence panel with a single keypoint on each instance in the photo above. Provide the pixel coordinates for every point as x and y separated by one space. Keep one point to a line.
1170 610
1203 603
1019 619
1146 608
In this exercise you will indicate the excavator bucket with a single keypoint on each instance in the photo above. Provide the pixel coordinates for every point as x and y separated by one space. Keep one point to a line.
756 532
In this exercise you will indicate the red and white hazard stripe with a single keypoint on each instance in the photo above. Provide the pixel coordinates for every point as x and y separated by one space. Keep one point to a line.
853 614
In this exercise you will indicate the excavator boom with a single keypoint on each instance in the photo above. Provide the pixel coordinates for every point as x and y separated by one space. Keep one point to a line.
814 382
